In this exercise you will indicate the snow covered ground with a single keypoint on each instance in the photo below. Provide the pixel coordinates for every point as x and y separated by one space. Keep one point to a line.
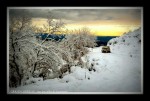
117 72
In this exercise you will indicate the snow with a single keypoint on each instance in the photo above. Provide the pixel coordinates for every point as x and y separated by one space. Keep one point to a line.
117 72
128 43
50 70
33 80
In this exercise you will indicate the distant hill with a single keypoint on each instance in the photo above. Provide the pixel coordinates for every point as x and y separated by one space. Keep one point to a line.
56 37
102 40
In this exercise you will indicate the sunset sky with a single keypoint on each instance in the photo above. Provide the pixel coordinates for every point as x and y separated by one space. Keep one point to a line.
101 21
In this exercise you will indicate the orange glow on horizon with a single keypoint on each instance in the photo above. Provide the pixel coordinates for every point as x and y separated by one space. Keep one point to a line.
99 28
106 30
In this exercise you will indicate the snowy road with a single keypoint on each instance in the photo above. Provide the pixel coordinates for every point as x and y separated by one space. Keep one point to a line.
114 73
118 72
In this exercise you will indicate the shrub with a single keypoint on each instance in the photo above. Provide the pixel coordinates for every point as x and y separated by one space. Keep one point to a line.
78 41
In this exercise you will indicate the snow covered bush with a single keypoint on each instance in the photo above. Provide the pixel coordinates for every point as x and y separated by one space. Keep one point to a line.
77 43
50 60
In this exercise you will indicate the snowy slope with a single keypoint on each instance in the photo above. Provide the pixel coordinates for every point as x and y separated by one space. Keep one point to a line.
129 43
117 72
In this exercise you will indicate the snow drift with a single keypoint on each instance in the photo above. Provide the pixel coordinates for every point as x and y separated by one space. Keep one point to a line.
129 43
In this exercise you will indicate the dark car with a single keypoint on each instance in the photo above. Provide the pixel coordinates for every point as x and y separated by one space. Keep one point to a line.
105 49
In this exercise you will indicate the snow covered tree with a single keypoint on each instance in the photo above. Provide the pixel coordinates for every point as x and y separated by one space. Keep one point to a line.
53 26
26 53
21 55
50 53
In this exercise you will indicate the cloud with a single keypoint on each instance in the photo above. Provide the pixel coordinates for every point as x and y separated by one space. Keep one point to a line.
35 13
80 14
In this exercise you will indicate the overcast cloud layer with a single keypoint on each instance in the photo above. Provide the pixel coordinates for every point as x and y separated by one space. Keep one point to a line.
80 14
